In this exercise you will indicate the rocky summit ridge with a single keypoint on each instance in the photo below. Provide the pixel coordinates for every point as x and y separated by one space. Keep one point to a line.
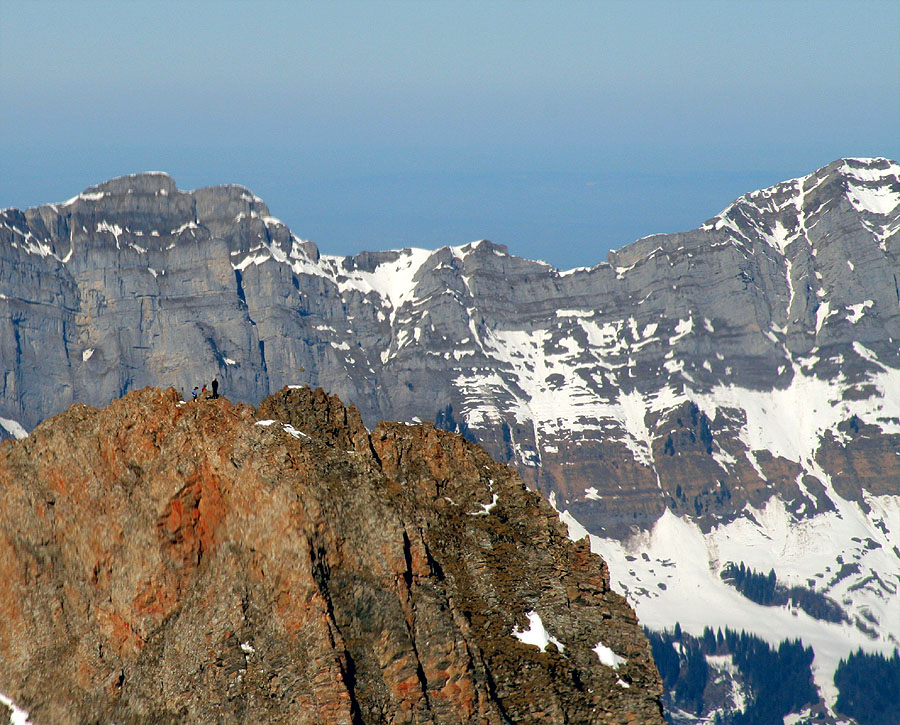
166 561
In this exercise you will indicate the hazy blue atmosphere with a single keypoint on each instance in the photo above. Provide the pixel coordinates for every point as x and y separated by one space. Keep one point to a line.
559 129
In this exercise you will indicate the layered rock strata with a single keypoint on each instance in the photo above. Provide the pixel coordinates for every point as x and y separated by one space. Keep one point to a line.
665 378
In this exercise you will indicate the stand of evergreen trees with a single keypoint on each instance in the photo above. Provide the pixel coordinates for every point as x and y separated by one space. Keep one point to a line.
779 681
869 688
684 673
764 589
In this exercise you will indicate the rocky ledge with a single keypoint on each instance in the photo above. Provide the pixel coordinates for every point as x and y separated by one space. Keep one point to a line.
165 561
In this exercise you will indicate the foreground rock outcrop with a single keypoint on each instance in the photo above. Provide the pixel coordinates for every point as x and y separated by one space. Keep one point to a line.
166 561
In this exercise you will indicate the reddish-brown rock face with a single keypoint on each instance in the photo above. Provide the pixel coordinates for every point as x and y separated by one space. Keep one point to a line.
168 562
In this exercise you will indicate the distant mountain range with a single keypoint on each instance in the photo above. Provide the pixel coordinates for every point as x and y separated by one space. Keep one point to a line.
721 396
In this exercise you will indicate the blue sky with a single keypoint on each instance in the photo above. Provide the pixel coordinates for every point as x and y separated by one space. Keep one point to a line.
559 129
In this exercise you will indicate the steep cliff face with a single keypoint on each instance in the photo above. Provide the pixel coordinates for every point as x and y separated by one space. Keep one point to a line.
167 561
650 380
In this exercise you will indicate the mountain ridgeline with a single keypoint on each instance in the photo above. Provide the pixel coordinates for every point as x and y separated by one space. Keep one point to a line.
641 378
727 394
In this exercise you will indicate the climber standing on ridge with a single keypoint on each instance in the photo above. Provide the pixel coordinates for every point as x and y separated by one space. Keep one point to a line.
215 387
195 391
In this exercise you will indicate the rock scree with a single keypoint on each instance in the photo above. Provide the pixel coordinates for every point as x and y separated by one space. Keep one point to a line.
165 561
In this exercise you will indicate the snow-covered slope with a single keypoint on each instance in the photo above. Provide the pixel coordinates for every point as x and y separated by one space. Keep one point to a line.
672 573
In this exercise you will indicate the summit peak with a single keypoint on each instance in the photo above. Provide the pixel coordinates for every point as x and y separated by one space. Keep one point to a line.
148 182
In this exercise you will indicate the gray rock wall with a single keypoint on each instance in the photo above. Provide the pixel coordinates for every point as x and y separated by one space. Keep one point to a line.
581 379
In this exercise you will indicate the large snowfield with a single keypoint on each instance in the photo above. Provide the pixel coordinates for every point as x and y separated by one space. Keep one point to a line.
672 574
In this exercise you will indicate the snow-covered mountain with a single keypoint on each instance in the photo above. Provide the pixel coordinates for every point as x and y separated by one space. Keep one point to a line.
725 395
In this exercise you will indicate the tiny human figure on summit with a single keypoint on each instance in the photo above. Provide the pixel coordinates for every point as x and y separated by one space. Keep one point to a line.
195 391
215 387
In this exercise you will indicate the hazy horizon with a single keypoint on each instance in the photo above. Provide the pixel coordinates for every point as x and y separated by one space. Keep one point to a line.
559 131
